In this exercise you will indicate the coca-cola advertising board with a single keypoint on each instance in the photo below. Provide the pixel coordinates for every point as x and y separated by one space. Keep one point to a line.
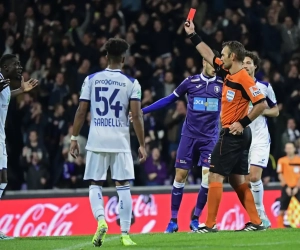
151 213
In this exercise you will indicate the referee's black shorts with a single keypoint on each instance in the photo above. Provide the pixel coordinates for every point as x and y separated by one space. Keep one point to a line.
230 155
285 198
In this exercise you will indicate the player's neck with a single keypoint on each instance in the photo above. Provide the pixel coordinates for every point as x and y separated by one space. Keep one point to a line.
236 67
206 75
291 156
13 82
114 66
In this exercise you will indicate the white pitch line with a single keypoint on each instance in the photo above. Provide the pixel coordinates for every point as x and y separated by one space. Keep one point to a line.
266 244
86 244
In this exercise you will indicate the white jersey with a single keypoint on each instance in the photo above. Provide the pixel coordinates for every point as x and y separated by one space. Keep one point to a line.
109 93
4 102
259 127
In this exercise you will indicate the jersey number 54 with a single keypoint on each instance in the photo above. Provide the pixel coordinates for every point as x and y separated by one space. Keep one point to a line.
108 103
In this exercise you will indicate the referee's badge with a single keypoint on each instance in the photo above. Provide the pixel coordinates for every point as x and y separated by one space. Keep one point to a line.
230 95
217 89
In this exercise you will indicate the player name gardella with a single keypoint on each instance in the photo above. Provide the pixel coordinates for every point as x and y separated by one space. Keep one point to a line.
110 82
107 122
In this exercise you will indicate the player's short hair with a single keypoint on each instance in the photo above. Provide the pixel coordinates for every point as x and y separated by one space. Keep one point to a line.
6 58
237 48
116 48
256 60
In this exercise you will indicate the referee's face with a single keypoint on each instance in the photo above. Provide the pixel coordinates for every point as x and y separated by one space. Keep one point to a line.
226 58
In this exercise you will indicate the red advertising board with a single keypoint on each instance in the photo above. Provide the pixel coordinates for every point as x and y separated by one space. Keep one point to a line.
151 213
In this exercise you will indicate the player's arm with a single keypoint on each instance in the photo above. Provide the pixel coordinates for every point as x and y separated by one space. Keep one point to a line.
273 110
25 87
16 92
257 110
202 48
137 119
179 91
161 103
80 116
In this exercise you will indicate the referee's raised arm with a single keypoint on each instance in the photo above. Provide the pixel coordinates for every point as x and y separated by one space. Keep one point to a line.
202 47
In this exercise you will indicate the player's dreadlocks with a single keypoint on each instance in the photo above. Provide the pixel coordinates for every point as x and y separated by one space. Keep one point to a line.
116 48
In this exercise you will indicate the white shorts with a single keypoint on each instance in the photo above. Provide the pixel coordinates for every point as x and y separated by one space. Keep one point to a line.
97 164
3 156
259 155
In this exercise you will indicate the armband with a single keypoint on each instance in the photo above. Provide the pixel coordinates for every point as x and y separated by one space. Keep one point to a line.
245 121
74 138
195 38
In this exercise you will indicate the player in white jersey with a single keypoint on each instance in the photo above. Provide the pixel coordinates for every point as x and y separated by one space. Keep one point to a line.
110 94
11 73
260 147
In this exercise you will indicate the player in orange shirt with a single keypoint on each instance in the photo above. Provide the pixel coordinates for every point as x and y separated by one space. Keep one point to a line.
230 155
288 169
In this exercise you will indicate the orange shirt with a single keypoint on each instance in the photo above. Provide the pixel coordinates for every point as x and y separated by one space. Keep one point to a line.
238 90
290 169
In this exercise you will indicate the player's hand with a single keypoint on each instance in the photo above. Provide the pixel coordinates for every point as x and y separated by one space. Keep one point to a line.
142 154
189 27
289 191
4 83
295 191
236 128
74 149
130 116
29 85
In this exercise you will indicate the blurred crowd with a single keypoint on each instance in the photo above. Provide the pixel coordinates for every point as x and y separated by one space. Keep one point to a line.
60 42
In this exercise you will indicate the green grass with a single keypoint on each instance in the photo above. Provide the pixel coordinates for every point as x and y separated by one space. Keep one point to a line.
285 239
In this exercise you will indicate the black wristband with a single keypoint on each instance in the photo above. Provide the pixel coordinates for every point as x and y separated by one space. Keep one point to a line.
195 38
245 121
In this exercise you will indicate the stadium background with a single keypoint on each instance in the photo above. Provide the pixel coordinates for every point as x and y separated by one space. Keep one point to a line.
60 42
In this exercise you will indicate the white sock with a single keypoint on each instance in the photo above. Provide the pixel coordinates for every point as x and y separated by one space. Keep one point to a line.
96 200
257 189
2 187
125 207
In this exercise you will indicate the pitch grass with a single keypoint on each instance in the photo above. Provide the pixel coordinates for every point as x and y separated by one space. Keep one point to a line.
285 239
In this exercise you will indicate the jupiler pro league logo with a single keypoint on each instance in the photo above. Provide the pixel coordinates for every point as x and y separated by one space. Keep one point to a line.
230 95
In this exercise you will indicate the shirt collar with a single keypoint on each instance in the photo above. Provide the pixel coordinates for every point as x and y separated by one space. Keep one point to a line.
112 70
205 78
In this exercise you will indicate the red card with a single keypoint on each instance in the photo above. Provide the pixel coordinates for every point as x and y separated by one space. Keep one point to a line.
191 14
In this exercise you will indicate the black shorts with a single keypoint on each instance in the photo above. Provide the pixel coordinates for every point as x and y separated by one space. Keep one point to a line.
285 199
230 155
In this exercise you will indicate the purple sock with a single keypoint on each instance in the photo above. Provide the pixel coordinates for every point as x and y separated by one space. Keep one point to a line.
201 201
176 198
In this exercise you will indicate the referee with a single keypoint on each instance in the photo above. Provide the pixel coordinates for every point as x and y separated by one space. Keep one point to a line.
230 155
